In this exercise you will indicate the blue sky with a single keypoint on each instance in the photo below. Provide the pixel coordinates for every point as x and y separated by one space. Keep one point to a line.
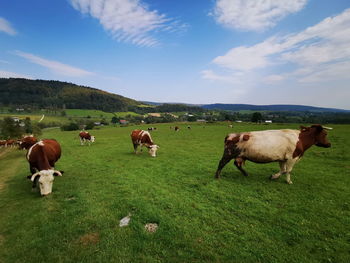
199 51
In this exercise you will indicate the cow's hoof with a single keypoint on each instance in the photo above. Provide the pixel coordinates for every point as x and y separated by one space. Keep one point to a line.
289 182
273 177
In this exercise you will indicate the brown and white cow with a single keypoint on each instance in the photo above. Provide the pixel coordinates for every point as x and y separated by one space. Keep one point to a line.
177 128
27 141
86 137
143 138
10 143
42 157
283 146
2 143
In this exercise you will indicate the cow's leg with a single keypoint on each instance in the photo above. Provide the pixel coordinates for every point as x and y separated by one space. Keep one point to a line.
81 141
135 148
289 167
282 170
239 163
224 160
33 171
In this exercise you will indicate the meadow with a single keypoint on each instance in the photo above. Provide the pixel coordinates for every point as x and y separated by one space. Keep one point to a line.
201 219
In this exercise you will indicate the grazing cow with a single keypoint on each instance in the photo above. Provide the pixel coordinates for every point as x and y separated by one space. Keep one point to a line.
11 143
143 138
189 127
2 143
177 128
152 129
283 146
42 157
86 137
230 126
27 141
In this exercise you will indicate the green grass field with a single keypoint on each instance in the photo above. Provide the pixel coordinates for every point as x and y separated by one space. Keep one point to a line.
91 113
201 219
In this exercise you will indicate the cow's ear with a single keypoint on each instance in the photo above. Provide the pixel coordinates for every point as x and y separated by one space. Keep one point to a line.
303 128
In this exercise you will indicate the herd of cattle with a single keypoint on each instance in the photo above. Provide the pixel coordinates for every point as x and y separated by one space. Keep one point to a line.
283 146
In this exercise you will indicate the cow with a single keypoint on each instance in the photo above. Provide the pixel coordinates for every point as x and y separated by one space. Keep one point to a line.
143 138
42 157
27 141
177 128
86 137
283 146
152 129
2 143
189 127
10 143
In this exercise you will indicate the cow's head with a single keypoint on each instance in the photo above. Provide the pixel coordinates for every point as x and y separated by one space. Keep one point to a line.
45 180
92 138
153 149
320 134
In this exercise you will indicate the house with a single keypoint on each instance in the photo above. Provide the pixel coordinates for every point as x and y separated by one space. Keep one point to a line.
201 120
268 121
123 122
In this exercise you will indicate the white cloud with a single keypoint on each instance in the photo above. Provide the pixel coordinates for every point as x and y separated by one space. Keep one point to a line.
8 74
55 66
128 20
320 48
211 75
6 27
254 15
272 79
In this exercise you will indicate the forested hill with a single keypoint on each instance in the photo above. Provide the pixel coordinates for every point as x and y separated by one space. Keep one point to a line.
48 94
283 107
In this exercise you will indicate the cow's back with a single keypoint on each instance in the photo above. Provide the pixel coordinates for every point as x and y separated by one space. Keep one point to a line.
51 149
266 146
135 135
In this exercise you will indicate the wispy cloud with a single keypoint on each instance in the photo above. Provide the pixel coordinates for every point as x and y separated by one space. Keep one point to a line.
318 52
6 27
254 15
55 66
128 21
8 74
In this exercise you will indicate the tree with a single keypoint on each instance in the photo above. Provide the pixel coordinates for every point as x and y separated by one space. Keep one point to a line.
28 128
10 129
90 125
73 126
256 117
115 120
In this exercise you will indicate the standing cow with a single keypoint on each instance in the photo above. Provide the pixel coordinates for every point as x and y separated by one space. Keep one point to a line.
283 146
143 138
177 128
2 143
86 137
42 157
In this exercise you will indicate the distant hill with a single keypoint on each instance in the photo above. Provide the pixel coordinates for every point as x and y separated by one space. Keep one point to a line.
49 94
282 107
